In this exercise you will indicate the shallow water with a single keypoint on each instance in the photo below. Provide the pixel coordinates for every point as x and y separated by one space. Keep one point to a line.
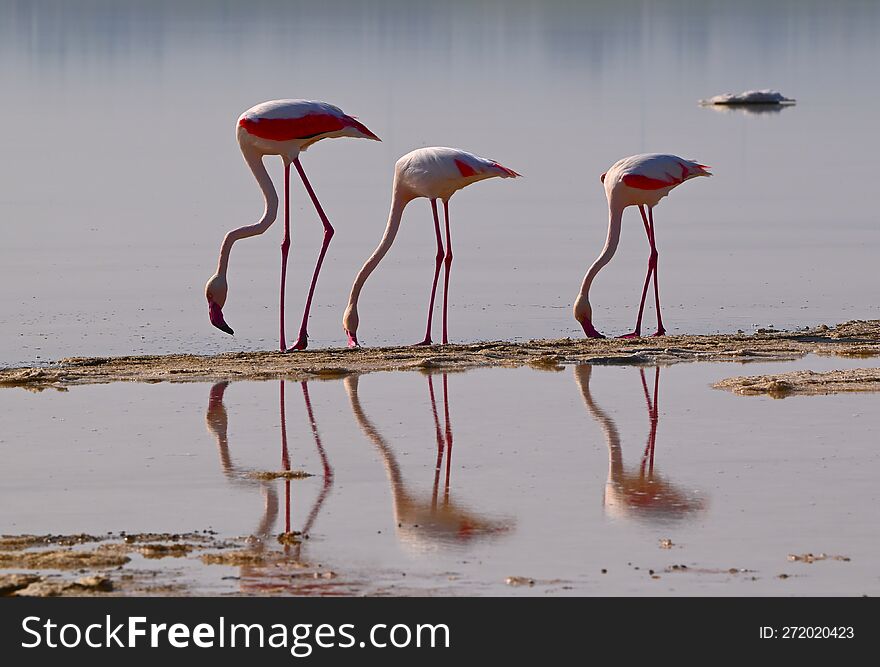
452 483
121 173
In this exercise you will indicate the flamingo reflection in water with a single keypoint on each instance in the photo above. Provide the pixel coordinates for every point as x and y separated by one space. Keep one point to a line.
269 571
426 523
643 493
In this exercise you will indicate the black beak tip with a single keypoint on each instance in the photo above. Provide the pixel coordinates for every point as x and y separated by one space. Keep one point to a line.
223 327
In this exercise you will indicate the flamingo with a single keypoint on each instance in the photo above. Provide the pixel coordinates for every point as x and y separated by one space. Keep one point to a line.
285 128
638 180
434 173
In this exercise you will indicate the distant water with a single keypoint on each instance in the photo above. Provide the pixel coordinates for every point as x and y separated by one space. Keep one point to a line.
120 172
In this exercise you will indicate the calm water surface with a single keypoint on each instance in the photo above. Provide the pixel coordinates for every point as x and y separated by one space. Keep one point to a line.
120 171
452 483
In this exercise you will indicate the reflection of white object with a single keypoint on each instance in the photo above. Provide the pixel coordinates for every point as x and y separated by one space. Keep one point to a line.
748 109
750 97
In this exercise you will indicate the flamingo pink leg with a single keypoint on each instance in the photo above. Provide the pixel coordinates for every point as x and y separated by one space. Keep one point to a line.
660 330
448 262
652 267
438 260
285 246
303 339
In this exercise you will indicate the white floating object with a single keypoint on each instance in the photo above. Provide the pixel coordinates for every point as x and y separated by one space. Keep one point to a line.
749 97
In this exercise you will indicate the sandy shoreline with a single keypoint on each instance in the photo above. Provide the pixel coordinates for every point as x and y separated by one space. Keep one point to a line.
855 338
804 382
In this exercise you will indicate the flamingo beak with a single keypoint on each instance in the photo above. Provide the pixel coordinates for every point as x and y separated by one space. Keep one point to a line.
352 338
216 315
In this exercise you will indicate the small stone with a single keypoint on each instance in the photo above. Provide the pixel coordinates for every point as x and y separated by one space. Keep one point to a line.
519 581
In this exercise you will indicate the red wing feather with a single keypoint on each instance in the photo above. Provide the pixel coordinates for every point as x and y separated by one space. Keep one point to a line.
287 129
646 183
465 169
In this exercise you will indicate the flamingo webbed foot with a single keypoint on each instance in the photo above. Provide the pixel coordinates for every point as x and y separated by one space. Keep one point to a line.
634 334
301 343
424 343
660 332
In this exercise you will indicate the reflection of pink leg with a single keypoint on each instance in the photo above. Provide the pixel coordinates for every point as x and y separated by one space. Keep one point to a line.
651 266
285 246
285 459
448 439
438 262
448 262
660 330
653 416
303 340
439 435
328 471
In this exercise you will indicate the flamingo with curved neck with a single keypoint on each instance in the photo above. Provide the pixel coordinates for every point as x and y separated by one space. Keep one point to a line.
434 173
639 180
284 128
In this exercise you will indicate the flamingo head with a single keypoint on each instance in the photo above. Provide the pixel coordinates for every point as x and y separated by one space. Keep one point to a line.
583 313
350 323
215 293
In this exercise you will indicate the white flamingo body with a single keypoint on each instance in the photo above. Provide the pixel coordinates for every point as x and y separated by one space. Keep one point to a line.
639 180
434 173
643 180
438 172
286 128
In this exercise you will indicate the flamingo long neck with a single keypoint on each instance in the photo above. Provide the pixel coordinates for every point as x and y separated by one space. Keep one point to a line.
615 215
255 162
399 200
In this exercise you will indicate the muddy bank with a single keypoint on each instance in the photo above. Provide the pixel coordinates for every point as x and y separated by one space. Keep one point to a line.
148 564
804 382
855 338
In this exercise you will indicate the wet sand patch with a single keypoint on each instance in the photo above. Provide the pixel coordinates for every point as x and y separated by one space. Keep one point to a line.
60 559
269 475
804 383
44 587
855 338
108 567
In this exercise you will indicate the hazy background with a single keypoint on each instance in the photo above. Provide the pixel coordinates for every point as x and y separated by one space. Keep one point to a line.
119 172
